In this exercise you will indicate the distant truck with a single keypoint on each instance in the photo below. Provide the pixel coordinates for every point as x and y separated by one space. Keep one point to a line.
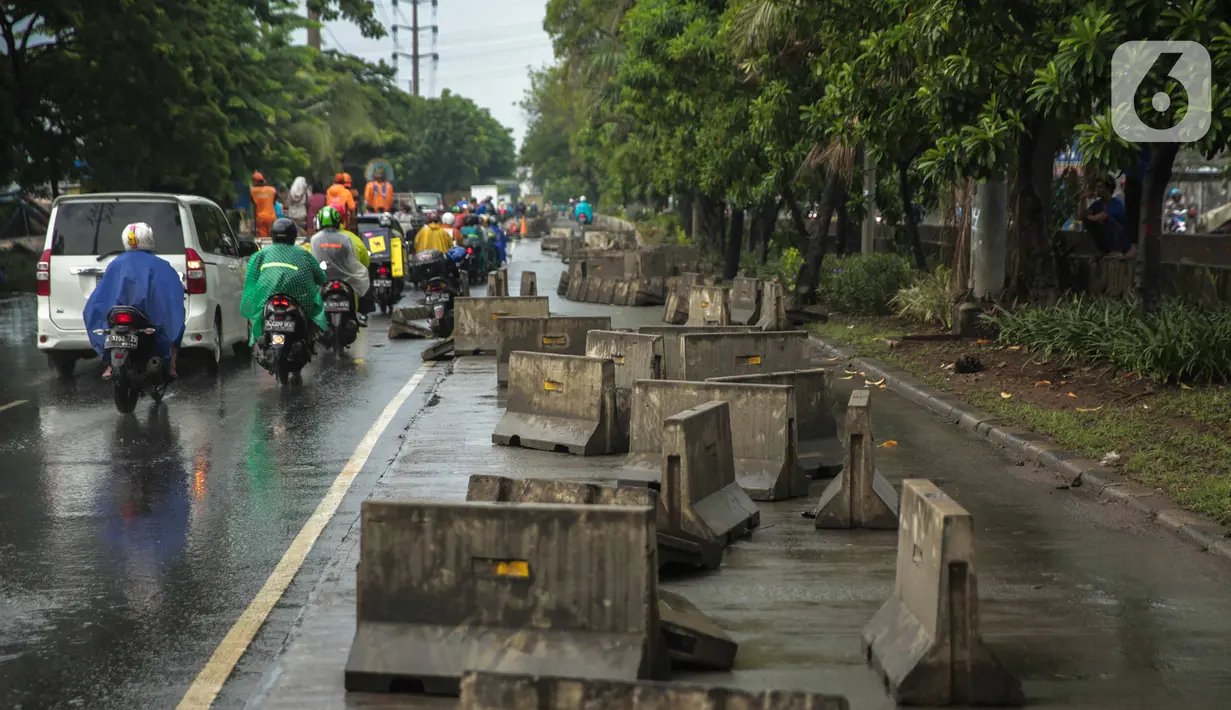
482 192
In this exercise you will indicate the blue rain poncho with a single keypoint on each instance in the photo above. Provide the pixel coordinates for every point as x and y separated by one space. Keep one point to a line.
146 282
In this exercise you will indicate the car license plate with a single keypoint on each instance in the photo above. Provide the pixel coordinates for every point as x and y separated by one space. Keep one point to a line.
280 326
121 341
383 283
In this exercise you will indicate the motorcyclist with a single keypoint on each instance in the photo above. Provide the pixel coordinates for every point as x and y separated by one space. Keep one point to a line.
493 225
584 210
448 221
433 236
139 279
378 194
339 197
345 257
283 268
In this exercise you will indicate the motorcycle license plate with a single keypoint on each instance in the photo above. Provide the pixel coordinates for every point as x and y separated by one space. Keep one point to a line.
434 298
332 306
383 283
280 326
121 341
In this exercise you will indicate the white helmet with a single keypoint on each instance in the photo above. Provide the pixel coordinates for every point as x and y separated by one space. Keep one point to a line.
447 219
583 198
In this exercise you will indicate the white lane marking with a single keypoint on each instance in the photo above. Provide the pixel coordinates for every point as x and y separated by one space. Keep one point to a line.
12 404
208 683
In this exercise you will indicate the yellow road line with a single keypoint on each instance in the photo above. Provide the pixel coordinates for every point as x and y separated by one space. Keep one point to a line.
12 404
205 688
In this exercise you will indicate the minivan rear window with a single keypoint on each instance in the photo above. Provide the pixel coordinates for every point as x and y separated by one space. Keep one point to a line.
94 228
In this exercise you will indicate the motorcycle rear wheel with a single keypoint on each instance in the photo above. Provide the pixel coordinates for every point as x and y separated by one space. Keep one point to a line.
126 393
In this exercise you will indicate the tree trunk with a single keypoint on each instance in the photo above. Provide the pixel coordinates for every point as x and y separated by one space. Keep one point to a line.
797 217
843 239
809 278
1150 229
684 205
735 245
764 222
908 208
1035 258
707 221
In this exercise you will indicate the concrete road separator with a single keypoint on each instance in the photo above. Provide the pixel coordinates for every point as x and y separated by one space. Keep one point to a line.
636 356
763 436
709 305
925 641
594 288
675 310
859 496
561 403
491 691
820 453
691 638
475 319
673 343
439 350
444 588
745 301
497 284
575 287
606 292
620 295
529 284
561 335
773 308
723 354
700 500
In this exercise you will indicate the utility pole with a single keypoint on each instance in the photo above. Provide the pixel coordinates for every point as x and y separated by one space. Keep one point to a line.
868 236
314 30
989 241
415 29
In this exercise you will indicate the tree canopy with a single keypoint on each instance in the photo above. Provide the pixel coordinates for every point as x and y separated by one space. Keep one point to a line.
195 96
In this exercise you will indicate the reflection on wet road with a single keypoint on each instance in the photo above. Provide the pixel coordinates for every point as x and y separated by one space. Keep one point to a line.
129 545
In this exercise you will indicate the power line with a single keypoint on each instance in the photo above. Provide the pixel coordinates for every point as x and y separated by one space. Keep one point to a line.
335 39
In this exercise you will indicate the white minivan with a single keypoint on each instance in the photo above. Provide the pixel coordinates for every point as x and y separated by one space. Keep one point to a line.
192 233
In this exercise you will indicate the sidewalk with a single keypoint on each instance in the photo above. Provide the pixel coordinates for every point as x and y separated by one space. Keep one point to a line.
1089 604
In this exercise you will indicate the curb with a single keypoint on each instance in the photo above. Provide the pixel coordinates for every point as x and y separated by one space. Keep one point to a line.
1102 481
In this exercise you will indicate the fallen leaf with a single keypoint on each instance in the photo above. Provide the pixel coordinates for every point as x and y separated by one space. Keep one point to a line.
982 342
1006 395
846 378
849 372
1042 383
832 359
882 386
1128 375
881 381
1064 382
1070 394
1184 386
888 444
864 374
1084 410
1015 347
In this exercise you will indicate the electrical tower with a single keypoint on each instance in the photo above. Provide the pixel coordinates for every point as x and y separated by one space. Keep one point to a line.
415 55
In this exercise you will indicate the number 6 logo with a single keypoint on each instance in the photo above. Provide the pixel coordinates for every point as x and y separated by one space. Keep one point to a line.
1131 65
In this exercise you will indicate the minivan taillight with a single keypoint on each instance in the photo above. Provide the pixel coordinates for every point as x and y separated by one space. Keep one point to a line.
196 271
42 275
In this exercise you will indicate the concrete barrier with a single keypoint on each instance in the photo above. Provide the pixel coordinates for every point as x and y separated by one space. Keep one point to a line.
636 357
620 296
925 641
613 266
762 432
708 305
576 281
606 293
438 350
858 497
553 334
723 354
651 291
563 403
475 319
773 308
562 285
594 288
820 452
529 284
673 343
675 310
444 588
745 301
495 691
497 287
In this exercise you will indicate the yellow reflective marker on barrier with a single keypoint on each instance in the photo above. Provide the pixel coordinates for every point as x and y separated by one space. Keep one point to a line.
751 359
705 304
550 386
513 568
498 315
617 359
483 567
555 340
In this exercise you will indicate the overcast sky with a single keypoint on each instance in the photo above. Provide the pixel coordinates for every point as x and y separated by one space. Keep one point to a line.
486 48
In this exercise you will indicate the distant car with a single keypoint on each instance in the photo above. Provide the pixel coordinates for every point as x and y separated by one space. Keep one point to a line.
427 201
191 233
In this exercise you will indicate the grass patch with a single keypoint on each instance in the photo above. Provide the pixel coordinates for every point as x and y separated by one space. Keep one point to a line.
1173 439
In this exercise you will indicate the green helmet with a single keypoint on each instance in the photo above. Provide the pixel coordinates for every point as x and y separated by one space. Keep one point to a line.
328 218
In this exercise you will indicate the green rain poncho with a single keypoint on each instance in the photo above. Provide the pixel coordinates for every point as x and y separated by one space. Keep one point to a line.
282 268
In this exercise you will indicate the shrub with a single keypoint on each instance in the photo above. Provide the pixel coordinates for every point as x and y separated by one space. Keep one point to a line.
783 268
1179 343
18 265
863 285
662 229
929 300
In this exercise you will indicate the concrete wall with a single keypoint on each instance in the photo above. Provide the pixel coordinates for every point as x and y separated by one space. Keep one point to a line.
475 320
762 429
560 335
489 691
673 343
443 588
707 355
560 403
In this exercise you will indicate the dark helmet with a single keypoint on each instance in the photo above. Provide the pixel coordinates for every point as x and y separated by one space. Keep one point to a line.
472 220
433 217
284 231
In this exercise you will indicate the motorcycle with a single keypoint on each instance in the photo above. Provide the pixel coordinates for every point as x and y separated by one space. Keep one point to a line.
475 263
440 295
383 287
343 319
135 369
286 344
